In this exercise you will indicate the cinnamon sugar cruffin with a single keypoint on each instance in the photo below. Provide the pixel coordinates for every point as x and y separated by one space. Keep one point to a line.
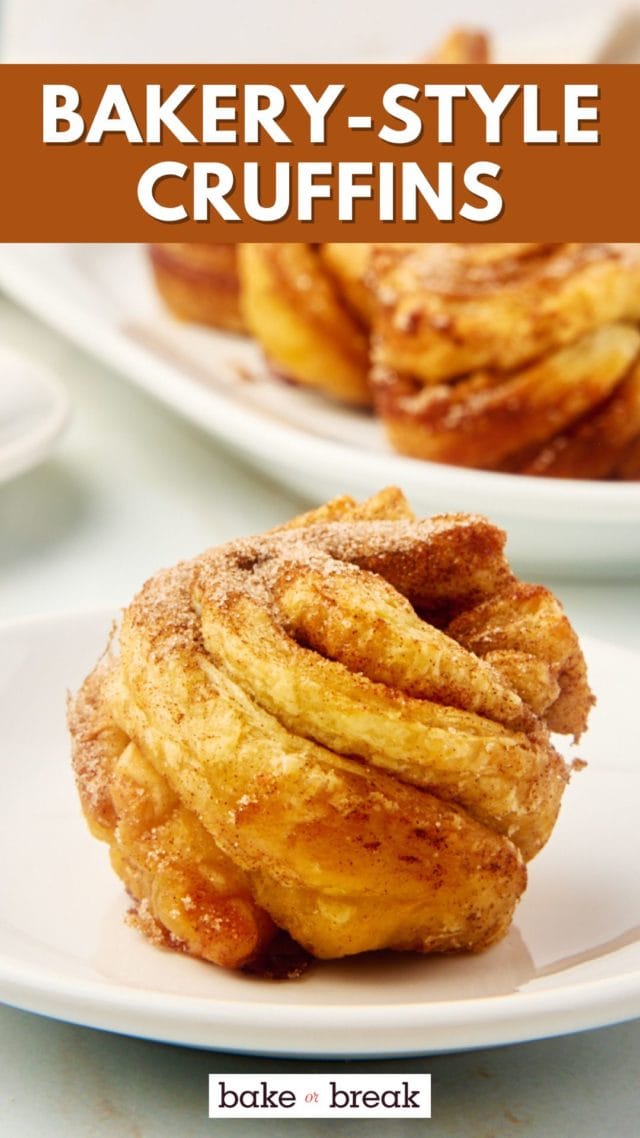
339 729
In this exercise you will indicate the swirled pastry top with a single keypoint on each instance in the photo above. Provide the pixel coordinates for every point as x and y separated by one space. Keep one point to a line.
352 713
447 310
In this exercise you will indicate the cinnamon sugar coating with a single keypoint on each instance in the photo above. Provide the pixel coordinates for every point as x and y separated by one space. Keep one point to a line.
339 729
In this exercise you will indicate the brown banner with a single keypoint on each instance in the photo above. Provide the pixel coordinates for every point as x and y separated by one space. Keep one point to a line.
424 167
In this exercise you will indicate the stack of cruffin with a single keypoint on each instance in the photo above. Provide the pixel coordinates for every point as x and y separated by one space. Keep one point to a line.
518 358
522 358
337 732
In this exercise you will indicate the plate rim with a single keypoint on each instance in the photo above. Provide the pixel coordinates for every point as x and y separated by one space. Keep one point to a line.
32 446
432 1028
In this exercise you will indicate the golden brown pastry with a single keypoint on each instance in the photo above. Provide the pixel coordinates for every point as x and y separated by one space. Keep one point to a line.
199 283
448 310
463 45
338 730
307 306
596 445
627 466
187 893
348 264
511 422
520 358
294 310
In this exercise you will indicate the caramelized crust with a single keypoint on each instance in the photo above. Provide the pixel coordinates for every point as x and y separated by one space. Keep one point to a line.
627 465
347 264
483 420
284 742
463 45
596 445
447 310
186 893
97 743
294 310
528 619
199 283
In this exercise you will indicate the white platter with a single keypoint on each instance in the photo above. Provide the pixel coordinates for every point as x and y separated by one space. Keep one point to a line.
33 411
101 296
570 962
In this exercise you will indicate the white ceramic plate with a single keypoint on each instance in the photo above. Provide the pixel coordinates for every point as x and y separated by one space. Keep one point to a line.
571 961
101 296
33 411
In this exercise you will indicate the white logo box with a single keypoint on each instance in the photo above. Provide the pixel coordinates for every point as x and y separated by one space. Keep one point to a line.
319 1096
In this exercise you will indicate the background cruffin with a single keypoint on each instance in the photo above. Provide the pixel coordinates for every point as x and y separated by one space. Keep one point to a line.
518 357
